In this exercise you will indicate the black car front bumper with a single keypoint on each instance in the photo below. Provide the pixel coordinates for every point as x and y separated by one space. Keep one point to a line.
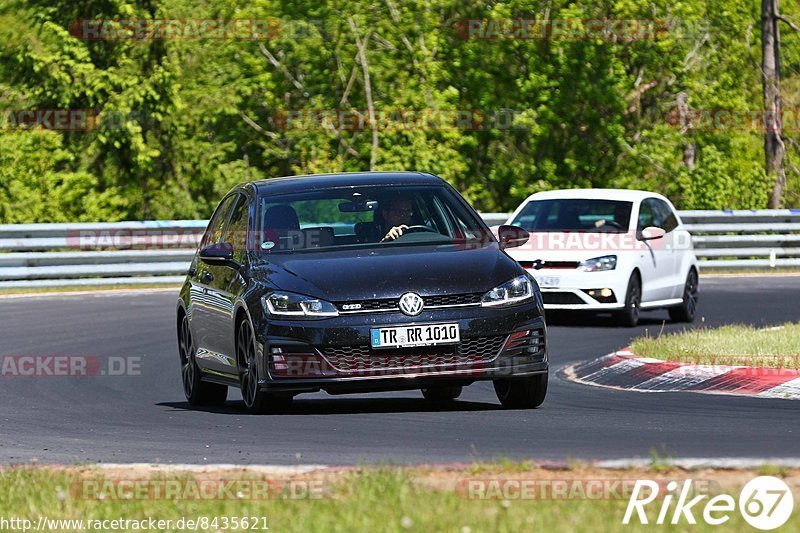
334 354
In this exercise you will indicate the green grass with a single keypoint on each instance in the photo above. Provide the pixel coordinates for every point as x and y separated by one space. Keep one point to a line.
660 461
501 464
777 347
773 470
383 499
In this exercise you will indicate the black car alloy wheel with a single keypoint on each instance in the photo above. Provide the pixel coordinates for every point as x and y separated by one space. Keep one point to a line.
246 355
186 348
197 391
255 399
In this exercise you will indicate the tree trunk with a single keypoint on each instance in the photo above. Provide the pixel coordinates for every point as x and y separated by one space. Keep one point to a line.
687 130
362 59
774 149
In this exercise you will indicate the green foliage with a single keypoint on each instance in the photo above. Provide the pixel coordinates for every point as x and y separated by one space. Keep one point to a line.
36 184
182 120
724 181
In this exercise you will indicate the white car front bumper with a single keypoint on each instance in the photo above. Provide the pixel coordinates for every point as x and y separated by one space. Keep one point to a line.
569 288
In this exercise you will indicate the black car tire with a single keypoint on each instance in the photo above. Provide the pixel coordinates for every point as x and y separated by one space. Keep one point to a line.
686 311
197 391
255 399
629 316
522 393
442 394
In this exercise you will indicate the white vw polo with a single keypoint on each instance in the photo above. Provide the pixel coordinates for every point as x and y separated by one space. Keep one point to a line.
613 250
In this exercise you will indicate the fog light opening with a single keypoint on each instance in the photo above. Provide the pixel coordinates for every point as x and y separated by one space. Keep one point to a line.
604 295
516 339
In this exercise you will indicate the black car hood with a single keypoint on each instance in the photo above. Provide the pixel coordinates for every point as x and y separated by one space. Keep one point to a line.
388 272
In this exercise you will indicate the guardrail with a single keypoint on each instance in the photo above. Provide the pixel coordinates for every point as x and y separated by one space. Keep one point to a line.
739 239
159 252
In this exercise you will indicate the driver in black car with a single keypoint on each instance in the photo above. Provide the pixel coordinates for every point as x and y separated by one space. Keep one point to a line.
397 216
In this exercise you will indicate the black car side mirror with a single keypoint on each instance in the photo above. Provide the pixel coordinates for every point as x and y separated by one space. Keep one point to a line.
511 236
220 253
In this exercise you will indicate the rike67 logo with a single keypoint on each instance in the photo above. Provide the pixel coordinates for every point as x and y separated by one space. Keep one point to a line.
765 503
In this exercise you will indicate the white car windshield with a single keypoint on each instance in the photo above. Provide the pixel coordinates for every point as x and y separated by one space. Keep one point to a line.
569 215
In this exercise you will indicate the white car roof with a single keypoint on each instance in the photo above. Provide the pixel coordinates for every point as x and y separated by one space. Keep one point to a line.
629 195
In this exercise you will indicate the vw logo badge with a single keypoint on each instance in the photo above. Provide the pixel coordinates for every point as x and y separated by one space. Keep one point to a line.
411 303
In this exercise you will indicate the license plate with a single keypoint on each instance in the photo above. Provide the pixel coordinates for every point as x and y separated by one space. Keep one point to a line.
548 282
408 336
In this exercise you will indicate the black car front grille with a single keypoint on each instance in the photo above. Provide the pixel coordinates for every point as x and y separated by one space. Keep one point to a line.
484 346
453 299
561 298
360 358
391 304
368 305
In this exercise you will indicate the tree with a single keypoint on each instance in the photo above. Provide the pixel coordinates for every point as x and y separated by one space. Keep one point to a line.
774 148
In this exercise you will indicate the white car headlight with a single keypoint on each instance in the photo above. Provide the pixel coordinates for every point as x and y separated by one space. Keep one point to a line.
511 292
598 264
287 304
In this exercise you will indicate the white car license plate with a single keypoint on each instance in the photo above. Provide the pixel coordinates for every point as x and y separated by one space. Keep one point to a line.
407 336
548 282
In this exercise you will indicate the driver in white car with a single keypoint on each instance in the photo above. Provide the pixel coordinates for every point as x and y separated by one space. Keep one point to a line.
622 217
397 216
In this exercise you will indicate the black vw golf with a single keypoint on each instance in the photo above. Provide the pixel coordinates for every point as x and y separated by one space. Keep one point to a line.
357 282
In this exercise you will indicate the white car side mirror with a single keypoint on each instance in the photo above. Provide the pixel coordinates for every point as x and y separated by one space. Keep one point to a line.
651 233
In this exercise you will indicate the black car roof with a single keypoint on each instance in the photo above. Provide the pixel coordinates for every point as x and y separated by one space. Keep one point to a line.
292 184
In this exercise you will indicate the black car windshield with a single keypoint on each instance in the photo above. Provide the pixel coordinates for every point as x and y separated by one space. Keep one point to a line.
575 214
363 217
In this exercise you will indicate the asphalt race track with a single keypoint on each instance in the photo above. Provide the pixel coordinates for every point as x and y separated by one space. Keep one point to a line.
144 418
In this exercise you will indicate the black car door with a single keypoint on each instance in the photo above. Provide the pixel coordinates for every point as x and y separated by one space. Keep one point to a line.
204 294
229 283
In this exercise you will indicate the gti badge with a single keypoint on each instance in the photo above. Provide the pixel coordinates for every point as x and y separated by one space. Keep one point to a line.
411 303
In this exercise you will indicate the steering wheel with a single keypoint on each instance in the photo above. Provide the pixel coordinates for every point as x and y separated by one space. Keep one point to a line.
418 228
612 223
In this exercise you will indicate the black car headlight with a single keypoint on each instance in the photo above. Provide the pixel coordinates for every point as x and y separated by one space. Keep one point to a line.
290 305
598 264
511 292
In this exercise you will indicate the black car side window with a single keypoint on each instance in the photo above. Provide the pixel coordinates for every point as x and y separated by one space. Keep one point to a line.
236 230
213 234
